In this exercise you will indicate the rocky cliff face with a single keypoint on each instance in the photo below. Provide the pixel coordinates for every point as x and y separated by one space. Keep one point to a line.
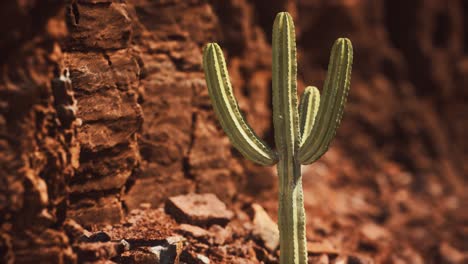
104 109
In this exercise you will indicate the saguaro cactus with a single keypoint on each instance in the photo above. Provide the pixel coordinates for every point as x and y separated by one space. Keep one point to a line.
300 138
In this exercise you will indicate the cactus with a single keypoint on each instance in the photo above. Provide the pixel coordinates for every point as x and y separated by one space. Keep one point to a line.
300 137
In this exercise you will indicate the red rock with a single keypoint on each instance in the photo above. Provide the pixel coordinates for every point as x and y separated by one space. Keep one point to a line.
373 232
203 259
264 228
167 251
198 209
220 235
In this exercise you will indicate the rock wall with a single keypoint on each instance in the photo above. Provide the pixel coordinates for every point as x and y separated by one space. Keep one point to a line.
105 74
38 143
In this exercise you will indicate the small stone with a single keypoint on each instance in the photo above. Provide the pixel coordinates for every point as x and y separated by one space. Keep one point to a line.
173 240
373 232
198 209
219 235
125 244
203 259
169 252
160 252
191 257
145 205
264 228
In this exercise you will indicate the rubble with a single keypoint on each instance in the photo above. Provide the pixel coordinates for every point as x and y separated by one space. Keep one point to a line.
99 250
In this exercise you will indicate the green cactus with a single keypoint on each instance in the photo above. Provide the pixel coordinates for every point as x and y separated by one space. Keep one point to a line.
300 138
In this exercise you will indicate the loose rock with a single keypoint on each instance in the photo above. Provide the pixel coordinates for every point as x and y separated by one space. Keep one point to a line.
198 209
220 235
264 228
170 252
203 259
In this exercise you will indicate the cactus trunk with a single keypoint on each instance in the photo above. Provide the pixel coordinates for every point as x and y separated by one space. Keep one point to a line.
291 215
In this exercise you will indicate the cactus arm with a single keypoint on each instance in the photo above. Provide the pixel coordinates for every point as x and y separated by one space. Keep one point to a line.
227 110
308 109
291 216
332 103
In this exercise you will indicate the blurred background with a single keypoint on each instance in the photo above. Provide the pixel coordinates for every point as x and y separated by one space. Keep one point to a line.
104 109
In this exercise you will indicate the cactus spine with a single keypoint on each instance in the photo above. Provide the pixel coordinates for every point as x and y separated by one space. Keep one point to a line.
300 137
